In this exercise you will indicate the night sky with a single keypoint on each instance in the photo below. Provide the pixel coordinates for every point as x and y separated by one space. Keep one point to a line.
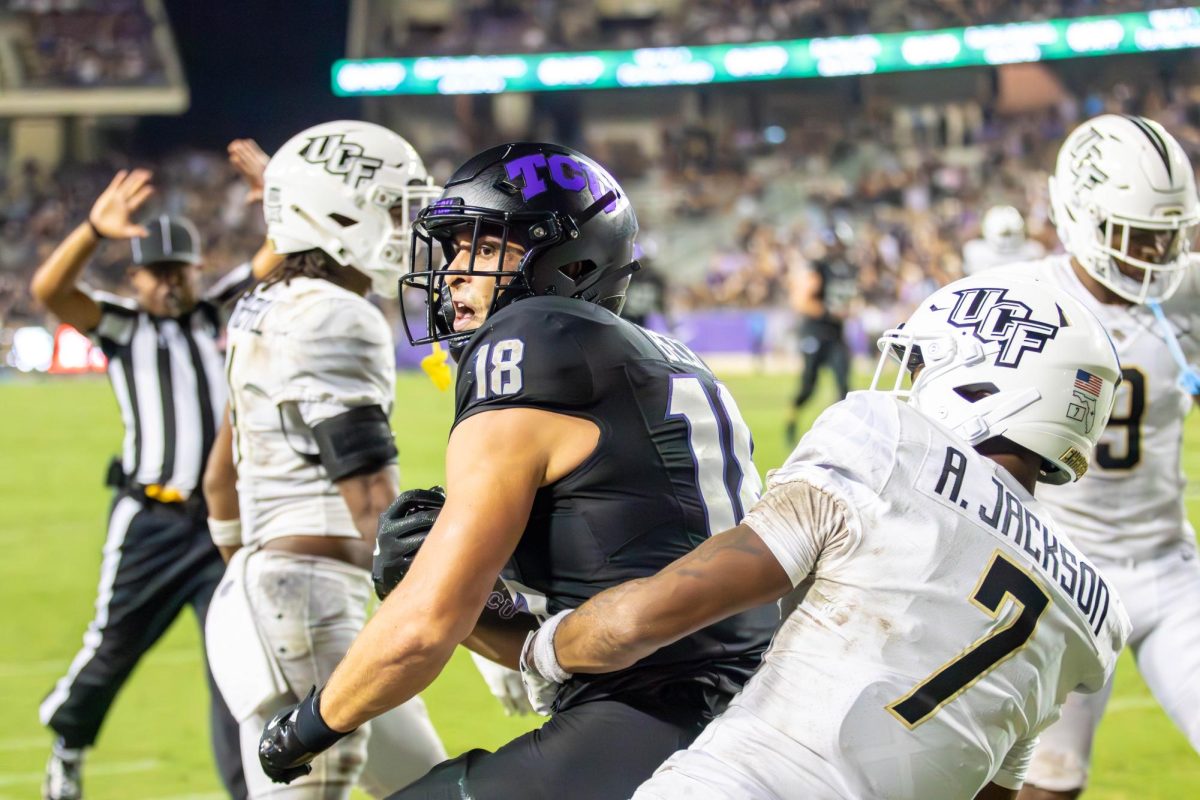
257 69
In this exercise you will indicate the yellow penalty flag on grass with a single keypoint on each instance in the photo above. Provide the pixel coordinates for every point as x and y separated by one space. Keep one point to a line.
436 368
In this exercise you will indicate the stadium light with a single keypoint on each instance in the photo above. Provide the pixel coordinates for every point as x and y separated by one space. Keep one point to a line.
1167 29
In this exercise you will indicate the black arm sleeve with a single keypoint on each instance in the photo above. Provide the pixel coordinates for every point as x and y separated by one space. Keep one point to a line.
355 442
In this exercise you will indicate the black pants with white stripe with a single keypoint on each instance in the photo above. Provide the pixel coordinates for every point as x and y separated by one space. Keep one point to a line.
157 559
599 750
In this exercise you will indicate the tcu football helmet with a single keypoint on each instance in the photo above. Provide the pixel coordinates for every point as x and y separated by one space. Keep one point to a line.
1123 193
996 355
572 220
348 188
1003 228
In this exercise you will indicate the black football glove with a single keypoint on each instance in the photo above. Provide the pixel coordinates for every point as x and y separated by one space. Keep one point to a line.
402 531
293 738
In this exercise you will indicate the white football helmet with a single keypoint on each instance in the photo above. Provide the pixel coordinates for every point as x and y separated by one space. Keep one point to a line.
1004 228
1123 191
1009 356
349 188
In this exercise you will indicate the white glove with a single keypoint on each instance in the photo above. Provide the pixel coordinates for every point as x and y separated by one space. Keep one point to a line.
540 671
505 685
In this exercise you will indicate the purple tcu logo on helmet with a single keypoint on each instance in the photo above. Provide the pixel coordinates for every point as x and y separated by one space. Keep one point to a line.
992 318
568 173
340 157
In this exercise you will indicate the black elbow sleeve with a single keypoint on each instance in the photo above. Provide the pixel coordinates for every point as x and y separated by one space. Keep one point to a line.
358 441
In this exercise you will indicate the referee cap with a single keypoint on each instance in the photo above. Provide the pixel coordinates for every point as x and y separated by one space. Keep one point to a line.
170 240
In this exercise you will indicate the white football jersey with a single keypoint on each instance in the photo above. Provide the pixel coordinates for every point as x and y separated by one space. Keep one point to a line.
297 354
1129 504
945 620
980 254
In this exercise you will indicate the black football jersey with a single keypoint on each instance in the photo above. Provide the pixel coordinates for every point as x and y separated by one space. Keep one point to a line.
672 467
839 286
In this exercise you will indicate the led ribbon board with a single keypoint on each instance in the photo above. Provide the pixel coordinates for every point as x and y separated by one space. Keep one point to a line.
1168 29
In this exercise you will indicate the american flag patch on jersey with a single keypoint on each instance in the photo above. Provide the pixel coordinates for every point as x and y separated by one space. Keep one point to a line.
1087 382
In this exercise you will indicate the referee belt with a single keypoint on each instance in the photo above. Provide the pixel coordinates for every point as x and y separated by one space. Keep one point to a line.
163 494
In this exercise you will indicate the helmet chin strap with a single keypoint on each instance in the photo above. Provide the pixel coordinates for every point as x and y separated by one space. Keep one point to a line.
978 428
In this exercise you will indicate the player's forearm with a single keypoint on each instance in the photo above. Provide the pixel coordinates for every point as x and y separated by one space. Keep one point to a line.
220 475
609 632
395 656
58 274
497 638
220 492
729 573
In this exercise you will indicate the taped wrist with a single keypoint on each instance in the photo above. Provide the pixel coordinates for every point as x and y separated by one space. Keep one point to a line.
357 441
225 532
311 729
545 660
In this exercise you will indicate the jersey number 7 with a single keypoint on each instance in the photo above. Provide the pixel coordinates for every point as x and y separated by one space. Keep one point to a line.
1002 580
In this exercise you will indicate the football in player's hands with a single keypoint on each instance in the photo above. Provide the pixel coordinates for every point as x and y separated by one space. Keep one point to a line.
402 531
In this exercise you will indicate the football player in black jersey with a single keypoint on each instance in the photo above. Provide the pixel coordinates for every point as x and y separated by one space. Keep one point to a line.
822 293
586 451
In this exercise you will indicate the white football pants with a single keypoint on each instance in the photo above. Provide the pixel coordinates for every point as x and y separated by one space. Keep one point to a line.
309 609
1163 600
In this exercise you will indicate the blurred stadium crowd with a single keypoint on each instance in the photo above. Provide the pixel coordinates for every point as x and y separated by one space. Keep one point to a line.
902 200
440 27
901 188
80 43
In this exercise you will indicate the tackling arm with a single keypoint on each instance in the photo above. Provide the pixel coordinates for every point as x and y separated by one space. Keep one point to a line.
729 573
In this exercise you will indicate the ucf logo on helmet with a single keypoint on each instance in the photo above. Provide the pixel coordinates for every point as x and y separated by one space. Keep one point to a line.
1085 153
992 318
340 157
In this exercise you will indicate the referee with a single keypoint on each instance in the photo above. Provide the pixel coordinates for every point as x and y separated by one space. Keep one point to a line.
167 375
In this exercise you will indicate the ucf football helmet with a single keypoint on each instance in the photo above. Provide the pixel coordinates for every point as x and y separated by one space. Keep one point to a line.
997 355
573 221
1123 199
349 188
1003 228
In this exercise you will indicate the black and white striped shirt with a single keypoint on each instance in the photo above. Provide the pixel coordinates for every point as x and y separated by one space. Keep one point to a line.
169 378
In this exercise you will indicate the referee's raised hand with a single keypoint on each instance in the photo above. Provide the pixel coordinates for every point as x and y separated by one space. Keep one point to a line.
251 162
112 214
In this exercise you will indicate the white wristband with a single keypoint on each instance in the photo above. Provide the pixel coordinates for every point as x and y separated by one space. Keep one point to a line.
545 660
225 532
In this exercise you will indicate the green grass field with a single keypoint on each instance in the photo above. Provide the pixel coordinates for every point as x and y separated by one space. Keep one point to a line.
55 439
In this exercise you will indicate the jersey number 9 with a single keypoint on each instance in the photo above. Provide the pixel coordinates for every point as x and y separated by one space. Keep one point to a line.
1127 417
